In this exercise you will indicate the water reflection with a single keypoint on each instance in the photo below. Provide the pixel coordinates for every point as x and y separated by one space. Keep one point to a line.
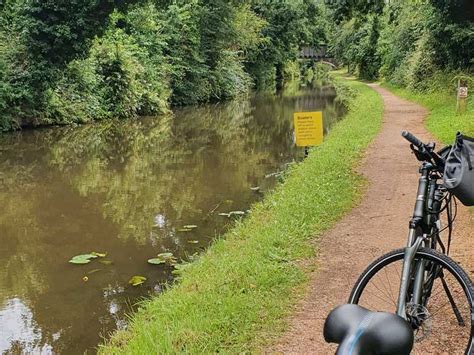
126 188
19 330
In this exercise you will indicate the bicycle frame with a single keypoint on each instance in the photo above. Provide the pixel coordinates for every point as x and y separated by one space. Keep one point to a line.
425 200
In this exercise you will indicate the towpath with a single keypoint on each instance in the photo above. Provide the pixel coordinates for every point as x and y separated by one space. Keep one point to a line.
378 225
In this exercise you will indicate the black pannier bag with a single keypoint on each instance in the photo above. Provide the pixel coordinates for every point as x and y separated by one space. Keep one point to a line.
459 171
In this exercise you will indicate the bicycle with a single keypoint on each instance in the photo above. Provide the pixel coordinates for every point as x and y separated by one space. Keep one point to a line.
421 283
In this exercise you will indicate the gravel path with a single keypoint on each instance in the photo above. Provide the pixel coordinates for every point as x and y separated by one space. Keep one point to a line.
378 225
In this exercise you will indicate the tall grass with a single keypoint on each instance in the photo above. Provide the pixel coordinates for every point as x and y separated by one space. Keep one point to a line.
235 297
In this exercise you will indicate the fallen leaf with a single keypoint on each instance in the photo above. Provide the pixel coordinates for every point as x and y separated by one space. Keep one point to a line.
100 255
237 213
190 226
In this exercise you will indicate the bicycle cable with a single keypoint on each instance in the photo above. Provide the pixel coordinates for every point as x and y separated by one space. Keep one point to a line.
449 199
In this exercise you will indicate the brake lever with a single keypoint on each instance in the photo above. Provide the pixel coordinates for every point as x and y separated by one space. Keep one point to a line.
428 154
421 156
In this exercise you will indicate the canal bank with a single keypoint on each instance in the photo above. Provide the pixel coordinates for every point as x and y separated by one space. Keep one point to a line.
235 296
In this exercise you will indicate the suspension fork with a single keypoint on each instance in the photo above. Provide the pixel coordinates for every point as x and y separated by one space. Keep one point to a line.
410 253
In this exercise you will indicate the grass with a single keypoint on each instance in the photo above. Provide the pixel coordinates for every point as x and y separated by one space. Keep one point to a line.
235 297
443 121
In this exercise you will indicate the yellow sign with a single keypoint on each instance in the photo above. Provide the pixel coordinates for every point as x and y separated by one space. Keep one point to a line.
308 128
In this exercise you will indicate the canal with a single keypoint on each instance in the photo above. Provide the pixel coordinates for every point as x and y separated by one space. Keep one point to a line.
130 190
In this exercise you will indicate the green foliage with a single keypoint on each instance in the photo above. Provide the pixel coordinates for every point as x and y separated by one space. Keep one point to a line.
78 61
52 33
290 26
405 42
15 93
354 44
115 56
369 62
452 30
188 73
344 10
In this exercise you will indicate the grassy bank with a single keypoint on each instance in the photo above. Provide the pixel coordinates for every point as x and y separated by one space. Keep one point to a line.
443 121
234 298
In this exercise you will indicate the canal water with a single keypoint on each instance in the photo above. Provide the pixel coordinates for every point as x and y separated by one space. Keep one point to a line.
127 189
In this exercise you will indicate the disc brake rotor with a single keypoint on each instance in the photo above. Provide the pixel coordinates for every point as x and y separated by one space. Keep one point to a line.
420 320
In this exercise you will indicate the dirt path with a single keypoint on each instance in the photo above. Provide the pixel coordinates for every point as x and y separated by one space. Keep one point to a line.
377 226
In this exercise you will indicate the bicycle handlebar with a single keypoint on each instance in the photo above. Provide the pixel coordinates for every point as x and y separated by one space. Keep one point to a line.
412 139
424 152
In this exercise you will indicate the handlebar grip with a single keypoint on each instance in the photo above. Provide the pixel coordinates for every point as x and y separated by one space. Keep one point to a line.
412 139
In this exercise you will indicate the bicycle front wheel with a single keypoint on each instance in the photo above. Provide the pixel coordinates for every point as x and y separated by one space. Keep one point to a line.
443 322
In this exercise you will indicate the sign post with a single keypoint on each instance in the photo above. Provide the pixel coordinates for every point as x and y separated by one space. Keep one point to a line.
308 129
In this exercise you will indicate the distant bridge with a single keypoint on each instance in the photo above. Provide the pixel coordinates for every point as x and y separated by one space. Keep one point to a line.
317 54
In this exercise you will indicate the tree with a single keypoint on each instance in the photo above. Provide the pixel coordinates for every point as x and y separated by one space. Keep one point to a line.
290 26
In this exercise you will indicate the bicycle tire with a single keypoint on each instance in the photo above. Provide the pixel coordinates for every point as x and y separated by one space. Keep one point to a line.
429 255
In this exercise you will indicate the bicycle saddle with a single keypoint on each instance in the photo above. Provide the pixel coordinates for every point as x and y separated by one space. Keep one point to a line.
360 331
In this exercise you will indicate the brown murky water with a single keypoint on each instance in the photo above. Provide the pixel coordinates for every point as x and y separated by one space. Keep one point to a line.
126 188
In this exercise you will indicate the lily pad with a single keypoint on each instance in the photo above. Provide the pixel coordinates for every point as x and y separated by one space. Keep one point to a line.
166 258
79 261
137 280
82 259
163 258
88 256
156 261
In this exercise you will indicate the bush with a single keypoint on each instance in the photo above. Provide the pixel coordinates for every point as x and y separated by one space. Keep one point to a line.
119 73
229 78
420 65
292 71
77 97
